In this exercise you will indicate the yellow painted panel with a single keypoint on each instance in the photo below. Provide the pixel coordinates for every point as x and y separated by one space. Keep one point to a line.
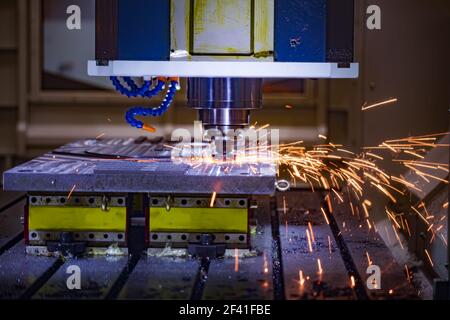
198 220
222 27
77 219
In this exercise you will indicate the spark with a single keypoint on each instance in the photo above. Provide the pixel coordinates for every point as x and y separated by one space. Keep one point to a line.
338 196
398 238
321 136
407 228
366 210
329 244
369 261
236 260
266 263
309 241
374 156
288 106
263 127
301 278
100 136
319 267
213 199
429 257
414 154
408 274
392 217
366 107
387 193
325 216
330 207
311 231
332 167
352 282
71 191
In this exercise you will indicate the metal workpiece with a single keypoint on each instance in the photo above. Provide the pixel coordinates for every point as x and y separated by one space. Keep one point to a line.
123 166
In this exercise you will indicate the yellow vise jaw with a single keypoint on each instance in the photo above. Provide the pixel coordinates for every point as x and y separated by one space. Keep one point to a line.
181 220
98 220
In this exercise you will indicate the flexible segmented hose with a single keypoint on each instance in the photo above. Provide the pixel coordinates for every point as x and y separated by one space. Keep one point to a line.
135 91
146 92
154 112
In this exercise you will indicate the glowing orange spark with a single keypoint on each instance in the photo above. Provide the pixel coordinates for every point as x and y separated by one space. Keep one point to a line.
369 261
309 241
374 155
301 278
365 107
263 127
429 257
213 199
325 216
236 260
407 228
319 267
408 274
330 207
352 282
311 232
71 191
266 264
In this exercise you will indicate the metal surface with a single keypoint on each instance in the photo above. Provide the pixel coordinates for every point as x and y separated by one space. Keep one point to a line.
245 274
10 220
225 93
300 31
77 219
98 275
161 278
41 237
198 202
199 220
333 283
143 29
182 239
269 270
123 166
240 69
76 201
19 271
224 103
112 251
